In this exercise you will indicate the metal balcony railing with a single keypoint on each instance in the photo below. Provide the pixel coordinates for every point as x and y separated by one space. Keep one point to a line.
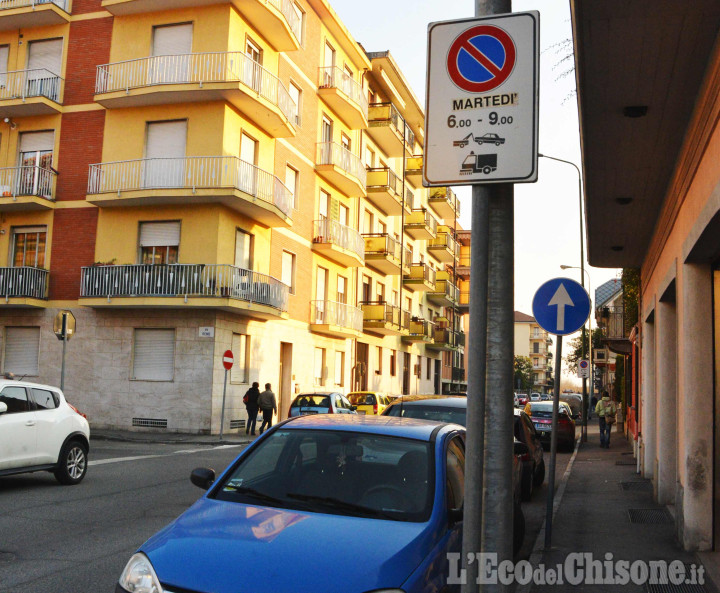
203 172
374 311
386 113
334 77
409 137
331 231
10 4
25 84
27 181
447 288
421 218
331 153
447 195
24 281
384 177
612 319
421 272
382 244
423 328
216 67
293 20
443 240
446 336
339 314
458 374
179 280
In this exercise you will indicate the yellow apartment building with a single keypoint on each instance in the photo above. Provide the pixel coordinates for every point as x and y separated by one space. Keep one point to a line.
533 342
189 178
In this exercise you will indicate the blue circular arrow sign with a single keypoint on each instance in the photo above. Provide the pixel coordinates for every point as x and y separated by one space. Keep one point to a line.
561 306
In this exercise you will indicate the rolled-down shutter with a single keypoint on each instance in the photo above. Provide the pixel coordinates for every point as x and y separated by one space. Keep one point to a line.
37 141
22 346
159 234
172 40
154 354
45 55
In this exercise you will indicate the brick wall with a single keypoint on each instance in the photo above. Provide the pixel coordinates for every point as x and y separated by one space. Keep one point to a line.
73 246
88 47
85 6
81 139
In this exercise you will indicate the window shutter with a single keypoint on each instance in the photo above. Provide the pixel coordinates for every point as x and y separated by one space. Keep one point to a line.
159 234
166 139
154 354
238 372
37 141
22 345
172 40
334 209
45 55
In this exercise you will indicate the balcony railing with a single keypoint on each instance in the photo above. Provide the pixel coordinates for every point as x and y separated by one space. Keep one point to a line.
386 113
191 173
422 272
421 219
292 18
179 280
331 153
25 281
27 181
612 319
444 240
422 328
10 4
384 177
331 231
334 77
200 68
339 314
374 311
382 244
448 289
24 84
444 195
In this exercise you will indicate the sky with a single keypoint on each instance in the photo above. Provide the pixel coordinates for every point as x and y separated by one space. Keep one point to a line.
547 213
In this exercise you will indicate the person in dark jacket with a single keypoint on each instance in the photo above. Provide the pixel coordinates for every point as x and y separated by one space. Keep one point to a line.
252 407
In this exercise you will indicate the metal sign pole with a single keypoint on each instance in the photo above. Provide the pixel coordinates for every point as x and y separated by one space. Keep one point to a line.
553 447
64 341
222 413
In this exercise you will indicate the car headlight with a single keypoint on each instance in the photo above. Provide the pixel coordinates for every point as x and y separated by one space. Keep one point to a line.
139 576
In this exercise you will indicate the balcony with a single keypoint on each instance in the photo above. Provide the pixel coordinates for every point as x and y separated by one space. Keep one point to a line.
344 96
446 294
336 319
420 330
383 253
340 167
30 92
462 268
421 277
612 322
381 318
420 224
27 188
211 286
444 339
384 190
444 247
190 78
339 243
26 14
192 180
387 128
444 201
413 170
275 20
24 286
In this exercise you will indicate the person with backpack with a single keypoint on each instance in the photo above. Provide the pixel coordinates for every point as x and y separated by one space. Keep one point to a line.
250 399
606 411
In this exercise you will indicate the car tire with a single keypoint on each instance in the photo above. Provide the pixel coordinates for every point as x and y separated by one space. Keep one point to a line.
539 475
72 463
518 528
526 485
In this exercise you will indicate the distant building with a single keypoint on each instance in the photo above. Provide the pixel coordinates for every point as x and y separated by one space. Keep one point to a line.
534 342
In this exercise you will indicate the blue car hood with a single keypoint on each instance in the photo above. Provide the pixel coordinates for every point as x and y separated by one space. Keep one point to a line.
226 547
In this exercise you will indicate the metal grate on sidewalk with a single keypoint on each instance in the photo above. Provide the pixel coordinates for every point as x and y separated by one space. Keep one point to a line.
681 588
654 516
643 485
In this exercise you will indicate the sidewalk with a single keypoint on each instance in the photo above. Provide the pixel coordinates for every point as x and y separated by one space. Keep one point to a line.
231 437
594 517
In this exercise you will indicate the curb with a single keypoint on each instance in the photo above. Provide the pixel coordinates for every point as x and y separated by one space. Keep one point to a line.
167 441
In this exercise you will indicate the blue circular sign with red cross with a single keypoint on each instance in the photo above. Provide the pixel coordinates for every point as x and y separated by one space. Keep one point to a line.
481 58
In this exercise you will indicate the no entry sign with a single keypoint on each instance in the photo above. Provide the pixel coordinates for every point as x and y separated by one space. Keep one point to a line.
482 100
228 359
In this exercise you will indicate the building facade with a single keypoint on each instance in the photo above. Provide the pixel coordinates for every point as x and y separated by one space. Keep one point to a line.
241 176
533 342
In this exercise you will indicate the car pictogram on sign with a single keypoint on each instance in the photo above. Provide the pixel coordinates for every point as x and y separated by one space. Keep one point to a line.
490 139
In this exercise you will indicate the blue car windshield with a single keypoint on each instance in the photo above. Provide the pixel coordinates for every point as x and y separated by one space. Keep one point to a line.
336 472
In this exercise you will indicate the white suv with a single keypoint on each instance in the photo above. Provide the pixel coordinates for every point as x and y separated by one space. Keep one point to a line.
40 431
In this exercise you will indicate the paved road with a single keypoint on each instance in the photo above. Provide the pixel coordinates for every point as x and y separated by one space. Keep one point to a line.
77 539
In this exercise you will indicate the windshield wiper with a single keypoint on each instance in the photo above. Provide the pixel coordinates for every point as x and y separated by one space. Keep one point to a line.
339 504
254 493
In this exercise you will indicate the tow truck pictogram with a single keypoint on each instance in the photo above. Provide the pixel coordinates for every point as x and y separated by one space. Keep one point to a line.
464 142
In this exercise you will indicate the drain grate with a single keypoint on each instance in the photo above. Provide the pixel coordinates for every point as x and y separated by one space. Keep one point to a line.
682 588
150 422
626 462
644 486
650 516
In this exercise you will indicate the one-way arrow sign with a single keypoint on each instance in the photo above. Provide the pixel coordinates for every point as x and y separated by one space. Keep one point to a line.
561 306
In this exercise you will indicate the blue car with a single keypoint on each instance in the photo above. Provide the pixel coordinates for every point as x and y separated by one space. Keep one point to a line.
321 504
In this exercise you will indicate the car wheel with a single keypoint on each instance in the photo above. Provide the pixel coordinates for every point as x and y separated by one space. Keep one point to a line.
526 486
518 528
72 463
539 474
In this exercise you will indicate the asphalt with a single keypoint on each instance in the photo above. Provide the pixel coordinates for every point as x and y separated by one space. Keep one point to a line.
233 437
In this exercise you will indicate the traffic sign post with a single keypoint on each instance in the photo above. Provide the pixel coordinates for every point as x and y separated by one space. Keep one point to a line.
64 328
561 306
481 123
228 361
583 369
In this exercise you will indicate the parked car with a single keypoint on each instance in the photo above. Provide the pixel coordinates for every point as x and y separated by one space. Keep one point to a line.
545 397
533 461
369 402
320 402
304 492
522 400
541 416
535 397
40 431
454 409
574 400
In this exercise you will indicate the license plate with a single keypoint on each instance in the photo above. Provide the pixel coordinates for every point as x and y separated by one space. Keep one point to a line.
543 427
307 412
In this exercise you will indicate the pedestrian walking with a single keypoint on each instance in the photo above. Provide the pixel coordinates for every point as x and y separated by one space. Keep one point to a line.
593 403
250 399
606 411
268 407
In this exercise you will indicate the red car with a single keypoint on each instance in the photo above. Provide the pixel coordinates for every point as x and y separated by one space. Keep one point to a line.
522 399
541 416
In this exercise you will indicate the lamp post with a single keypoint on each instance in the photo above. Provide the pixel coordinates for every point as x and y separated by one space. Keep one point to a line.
592 373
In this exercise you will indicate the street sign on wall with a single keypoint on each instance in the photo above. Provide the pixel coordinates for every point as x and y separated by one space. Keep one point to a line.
481 100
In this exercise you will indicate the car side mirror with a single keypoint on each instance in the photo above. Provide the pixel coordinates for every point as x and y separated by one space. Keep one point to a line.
203 477
3 407
455 515
520 448
353 408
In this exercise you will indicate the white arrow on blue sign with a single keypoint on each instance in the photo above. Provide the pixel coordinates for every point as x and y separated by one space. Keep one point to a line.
561 306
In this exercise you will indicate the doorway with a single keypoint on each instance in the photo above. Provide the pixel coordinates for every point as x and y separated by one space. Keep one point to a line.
406 373
361 366
285 387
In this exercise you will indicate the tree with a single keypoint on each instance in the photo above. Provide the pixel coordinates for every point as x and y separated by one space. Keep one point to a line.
575 349
523 372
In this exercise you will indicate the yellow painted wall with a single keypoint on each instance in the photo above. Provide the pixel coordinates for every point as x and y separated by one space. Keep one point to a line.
234 125
240 32
8 220
18 47
228 222
9 137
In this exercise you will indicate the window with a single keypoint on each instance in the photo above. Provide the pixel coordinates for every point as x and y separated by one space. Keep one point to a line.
296 95
341 289
288 270
428 368
393 362
323 205
321 283
455 485
291 182
44 57
345 140
378 367
344 214
380 288
176 41
394 298
339 368
243 250
329 56
536 348
164 164
159 242
368 222
369 158
4 52
253 66
319 373
299 32
16 400
241 353
536 361
45 400
367 283
382 227
22 348
36 154
154 355
28 246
